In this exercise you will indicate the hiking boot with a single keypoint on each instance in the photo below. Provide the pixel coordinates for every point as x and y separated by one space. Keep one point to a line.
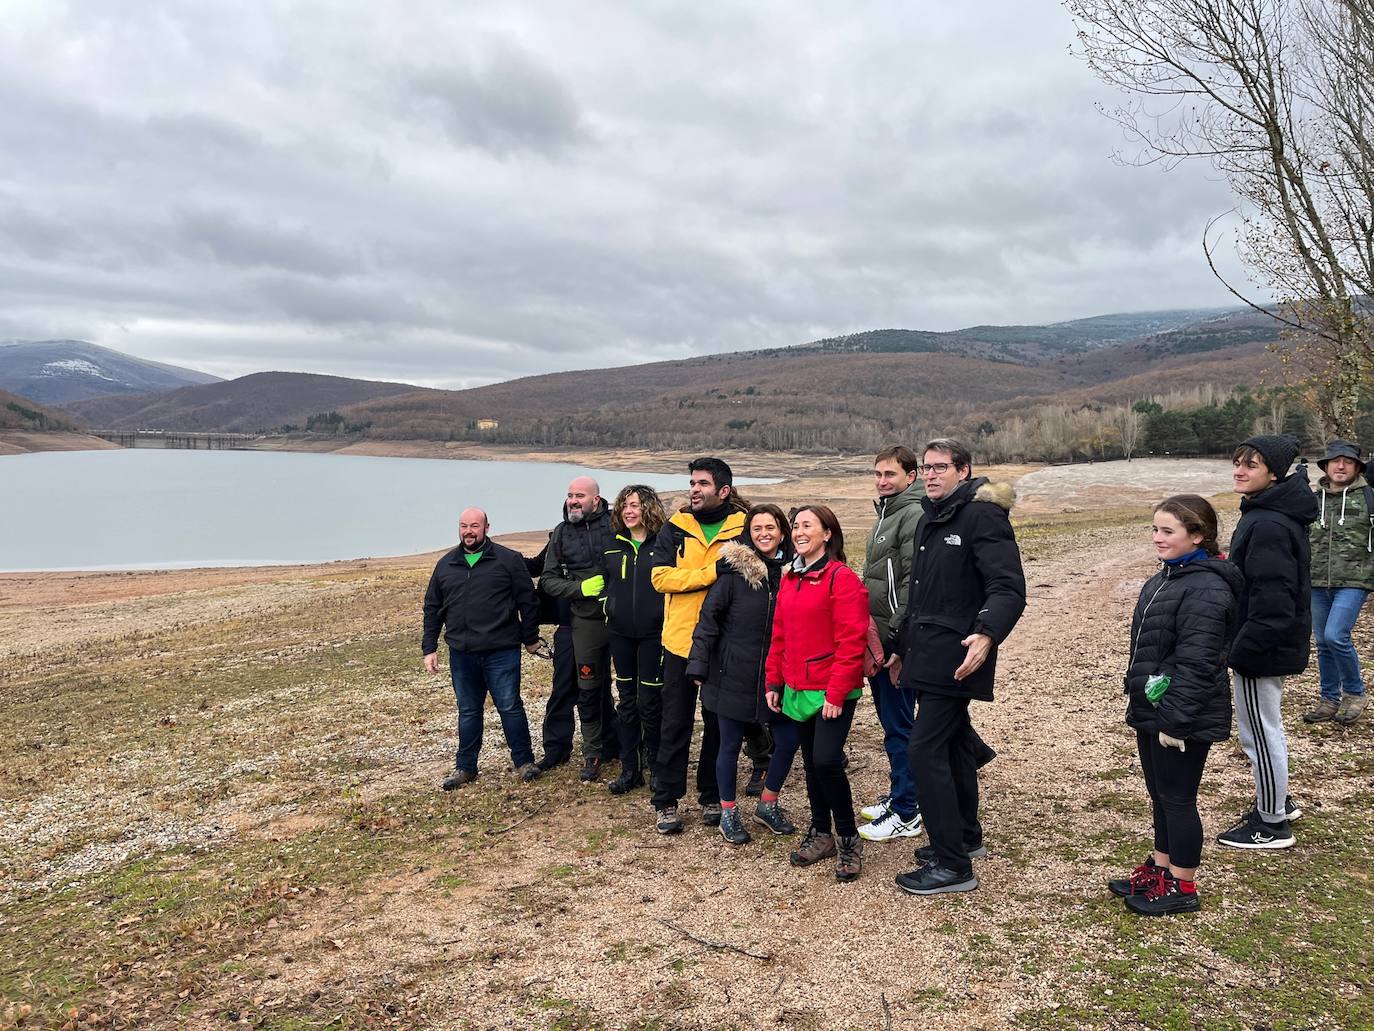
891 826
551 762
591 770
934 879
755 786
529 772
458 778
1253 832
627 780
1163 898
774 817
1324 710
878 809
926 853
1142 879
1351 707
731 828
849 858
814 847
710 813
668 821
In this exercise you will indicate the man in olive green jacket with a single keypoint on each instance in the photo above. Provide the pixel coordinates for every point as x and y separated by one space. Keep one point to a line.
886 565
1342 576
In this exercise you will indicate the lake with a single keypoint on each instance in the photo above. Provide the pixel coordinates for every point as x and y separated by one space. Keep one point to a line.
175 509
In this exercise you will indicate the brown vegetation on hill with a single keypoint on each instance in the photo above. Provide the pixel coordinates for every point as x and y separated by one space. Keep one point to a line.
19 413
260 402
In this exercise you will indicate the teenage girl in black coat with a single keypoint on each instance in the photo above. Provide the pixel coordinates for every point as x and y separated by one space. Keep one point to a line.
1178 694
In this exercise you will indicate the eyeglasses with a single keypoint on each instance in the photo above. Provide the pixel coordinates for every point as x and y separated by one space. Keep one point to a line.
938 468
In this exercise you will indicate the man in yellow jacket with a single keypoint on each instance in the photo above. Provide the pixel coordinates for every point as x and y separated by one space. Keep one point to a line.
684 558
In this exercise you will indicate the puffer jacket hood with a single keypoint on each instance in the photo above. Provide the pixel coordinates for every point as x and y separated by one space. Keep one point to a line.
745 561
1183 626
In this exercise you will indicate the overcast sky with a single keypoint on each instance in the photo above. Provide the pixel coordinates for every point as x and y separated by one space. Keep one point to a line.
455 193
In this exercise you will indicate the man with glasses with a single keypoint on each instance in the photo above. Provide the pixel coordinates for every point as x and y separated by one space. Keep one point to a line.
967 590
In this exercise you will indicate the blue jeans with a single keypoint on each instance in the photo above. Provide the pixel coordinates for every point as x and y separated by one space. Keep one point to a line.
1334 610
896 708
474 675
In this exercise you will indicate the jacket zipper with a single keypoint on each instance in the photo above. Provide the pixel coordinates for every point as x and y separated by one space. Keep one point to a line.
891 590
1143 613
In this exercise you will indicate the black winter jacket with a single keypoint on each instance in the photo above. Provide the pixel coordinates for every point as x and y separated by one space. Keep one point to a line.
1270 547
633 607
1183 626
731 639
557 611
575 552
965 578
485 607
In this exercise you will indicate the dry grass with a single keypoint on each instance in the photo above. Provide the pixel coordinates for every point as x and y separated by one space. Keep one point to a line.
221 806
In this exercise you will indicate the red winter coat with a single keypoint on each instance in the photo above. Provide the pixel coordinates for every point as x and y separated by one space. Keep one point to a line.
820 631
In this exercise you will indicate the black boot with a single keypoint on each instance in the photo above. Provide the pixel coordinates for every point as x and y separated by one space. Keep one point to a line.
629 779
591 770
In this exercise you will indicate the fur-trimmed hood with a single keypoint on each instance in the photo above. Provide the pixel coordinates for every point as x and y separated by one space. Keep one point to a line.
745 561
1002 495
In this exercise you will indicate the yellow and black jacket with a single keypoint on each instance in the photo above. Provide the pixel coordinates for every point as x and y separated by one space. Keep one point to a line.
684 566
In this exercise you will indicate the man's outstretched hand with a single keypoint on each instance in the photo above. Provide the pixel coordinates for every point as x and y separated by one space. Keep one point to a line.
978 645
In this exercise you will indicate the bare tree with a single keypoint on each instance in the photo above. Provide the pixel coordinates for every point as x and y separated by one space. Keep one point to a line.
1278 96
1129 423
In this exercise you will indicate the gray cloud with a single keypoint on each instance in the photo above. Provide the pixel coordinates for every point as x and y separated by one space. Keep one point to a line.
481 191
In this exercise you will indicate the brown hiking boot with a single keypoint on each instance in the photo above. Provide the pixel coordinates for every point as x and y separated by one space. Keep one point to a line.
1324 710
1351 707
849 859
814 847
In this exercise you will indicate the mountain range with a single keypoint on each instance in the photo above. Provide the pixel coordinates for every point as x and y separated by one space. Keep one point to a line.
58 372
837 392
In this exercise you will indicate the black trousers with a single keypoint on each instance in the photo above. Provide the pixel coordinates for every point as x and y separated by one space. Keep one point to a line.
558 711
639 682
595 705
675 739
827 784
943 752
1172 778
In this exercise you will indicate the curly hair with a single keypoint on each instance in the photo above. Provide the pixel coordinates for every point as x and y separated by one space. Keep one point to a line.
651 512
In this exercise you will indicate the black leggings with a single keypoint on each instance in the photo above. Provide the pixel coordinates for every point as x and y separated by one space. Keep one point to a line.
822 747
639 682
1172 779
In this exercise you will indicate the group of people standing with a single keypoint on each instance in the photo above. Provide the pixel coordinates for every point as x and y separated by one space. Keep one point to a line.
750 622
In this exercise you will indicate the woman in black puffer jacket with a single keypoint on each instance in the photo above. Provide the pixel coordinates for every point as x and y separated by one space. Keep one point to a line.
729 646
1179 694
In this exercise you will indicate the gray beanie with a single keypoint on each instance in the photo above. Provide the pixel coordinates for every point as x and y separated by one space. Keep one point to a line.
1278 451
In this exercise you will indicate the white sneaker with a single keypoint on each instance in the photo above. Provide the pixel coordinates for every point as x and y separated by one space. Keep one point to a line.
891 826
878 809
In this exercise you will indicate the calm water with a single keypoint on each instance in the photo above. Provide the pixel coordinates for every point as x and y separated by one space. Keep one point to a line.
156 509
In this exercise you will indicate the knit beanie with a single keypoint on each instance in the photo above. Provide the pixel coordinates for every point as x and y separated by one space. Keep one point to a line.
1278 450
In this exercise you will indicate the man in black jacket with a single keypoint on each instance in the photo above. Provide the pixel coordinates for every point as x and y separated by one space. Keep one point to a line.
573 571
483 599
1270 546
966 592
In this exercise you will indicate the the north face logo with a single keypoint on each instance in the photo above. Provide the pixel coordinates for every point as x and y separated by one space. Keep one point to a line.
879 540
954 539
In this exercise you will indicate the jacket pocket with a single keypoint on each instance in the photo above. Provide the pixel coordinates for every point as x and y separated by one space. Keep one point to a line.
818 668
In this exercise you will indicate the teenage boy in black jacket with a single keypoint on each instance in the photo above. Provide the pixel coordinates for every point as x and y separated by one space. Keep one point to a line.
483 599
1271 547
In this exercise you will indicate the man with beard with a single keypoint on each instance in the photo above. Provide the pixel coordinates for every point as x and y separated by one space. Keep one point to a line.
967 591
483 599
572 570
684 556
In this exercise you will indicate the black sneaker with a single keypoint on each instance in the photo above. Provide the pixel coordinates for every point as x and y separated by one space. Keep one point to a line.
1142 879
1252 832
1290 809
926 853
591 770
755 786
668 821
1164 898
710 813
628 780
552 762
933 879
731 828
773 816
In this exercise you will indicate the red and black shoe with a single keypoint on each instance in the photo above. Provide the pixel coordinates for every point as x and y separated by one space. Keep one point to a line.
1166 897
1142 879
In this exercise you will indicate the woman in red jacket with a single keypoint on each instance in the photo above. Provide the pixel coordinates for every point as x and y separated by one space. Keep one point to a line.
815 669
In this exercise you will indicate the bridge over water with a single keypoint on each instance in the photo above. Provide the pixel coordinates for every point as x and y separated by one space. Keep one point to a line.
168 439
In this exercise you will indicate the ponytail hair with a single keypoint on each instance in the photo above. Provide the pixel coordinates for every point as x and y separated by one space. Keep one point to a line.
1197 516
